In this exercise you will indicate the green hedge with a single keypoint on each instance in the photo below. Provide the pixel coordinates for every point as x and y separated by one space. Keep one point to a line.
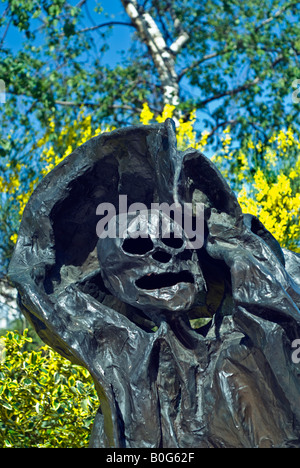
45 401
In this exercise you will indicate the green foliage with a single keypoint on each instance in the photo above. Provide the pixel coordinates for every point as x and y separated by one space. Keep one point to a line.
239 62
45 401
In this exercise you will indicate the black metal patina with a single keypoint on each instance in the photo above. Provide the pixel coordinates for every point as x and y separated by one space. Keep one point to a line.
162 380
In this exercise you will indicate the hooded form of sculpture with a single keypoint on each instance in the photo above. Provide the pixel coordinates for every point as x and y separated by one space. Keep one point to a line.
124 309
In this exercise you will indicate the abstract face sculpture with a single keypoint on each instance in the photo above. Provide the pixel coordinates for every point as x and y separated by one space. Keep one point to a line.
179 384
148 268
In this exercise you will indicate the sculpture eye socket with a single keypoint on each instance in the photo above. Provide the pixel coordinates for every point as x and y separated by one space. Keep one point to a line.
139 246
162 257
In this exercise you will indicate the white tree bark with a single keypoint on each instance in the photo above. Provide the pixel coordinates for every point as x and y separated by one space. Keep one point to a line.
162 55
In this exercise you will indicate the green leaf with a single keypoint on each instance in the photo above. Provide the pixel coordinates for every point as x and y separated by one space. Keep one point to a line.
6 405
57 377
27 381
80 388
85 404
56 404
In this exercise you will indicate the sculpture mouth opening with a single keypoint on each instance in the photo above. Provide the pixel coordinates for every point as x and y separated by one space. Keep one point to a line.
164 280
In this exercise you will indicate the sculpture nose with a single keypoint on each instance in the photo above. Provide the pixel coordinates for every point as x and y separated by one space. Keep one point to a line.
139 246
162 256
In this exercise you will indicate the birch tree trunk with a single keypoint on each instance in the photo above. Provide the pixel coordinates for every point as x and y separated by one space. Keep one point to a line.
163 56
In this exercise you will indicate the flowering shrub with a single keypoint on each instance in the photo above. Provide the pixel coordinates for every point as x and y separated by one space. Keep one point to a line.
266 179
186 135
45 401
16 185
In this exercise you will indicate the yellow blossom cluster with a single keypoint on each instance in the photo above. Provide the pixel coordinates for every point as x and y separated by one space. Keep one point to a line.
186 134
244 165
266 179
146 115
226 140
277 207
167 113
69 137
10 184
274 195
285 139
80 131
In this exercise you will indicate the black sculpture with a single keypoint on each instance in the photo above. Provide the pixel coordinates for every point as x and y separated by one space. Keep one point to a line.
162 381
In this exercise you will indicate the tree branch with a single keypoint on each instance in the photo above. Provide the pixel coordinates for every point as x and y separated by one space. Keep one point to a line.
221 125
231 92
5 11
275 16
92 104
99 26
79 4
203 59
5 32
104 25
244 87
179 42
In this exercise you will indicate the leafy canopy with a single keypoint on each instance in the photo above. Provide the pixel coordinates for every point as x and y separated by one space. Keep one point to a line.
237 66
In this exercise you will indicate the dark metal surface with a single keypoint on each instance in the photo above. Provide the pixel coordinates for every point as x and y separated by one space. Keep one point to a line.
164 380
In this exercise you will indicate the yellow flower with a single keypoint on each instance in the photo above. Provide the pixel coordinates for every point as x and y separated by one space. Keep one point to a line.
186 136
275 206
146 115
203 141
226 141
244 166
14 238
273 138
166 114
247 203
259 146
285 139
271 157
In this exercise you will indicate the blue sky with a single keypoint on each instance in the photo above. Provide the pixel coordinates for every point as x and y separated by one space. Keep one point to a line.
119 36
